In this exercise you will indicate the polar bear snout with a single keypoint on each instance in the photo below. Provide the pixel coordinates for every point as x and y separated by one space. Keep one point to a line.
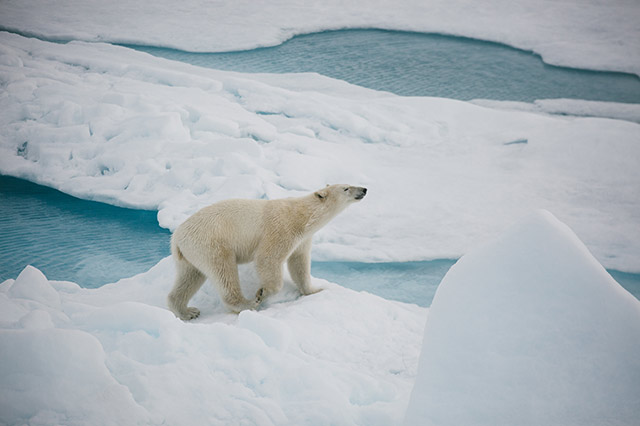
360 193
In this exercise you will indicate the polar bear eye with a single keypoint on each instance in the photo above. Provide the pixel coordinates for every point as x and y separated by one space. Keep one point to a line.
346 189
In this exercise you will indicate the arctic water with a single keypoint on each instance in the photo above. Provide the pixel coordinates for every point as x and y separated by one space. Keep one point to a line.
417 64
86 242
93 244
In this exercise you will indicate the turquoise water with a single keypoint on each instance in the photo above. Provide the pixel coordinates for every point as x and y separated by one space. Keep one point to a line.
416 64
93 244
410 282
413 282
67 238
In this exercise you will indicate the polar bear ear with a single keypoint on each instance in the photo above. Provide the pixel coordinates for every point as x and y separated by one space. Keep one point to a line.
321 194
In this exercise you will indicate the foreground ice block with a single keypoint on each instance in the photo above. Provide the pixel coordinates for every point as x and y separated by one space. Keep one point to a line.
115 355
529 330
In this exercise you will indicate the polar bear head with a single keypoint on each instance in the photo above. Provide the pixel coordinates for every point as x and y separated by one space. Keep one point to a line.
327 202
341 194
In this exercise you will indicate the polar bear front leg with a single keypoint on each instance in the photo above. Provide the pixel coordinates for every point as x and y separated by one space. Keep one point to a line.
270 273
299 264
224 272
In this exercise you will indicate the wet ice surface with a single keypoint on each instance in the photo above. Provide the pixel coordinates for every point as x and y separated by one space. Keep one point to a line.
414 64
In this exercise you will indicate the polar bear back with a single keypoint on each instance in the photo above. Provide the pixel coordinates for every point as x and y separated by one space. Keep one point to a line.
236 224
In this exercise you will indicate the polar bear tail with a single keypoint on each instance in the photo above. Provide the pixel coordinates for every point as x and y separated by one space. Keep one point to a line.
175 250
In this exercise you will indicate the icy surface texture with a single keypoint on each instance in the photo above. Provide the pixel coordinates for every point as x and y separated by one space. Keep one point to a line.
116 355
529 330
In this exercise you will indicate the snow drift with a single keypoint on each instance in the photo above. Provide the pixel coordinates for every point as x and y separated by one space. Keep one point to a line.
529 330
116 356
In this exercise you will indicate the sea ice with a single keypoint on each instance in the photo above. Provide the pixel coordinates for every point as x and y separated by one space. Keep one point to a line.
587 34
529 330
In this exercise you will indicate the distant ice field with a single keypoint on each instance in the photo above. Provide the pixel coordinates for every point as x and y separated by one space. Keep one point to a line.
589 34
417 64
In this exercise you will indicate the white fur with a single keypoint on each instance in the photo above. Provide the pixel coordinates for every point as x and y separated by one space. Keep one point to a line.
212 242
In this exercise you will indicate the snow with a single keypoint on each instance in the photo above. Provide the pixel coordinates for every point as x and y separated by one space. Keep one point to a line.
116 355
591 34
529 330
111 124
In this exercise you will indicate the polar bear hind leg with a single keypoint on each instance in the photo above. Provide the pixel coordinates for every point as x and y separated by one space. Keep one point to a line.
188 281
222 271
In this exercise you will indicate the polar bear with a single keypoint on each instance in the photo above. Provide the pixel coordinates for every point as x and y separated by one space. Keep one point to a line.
212 242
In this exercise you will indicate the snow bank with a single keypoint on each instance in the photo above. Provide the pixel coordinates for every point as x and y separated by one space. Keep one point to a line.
116 355
110 124
529 330
586 34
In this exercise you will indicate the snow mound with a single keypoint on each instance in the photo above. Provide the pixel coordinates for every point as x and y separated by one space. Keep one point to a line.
116 356
529 330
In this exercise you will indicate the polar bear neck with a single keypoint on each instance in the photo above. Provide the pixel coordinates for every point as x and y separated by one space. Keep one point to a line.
319 212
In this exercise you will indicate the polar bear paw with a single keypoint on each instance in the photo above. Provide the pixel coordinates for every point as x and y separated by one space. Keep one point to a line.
190 313
311 290
248 304
260 295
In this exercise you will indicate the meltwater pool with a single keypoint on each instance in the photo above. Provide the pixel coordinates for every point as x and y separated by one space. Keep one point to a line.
93 244
417 64
86 242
